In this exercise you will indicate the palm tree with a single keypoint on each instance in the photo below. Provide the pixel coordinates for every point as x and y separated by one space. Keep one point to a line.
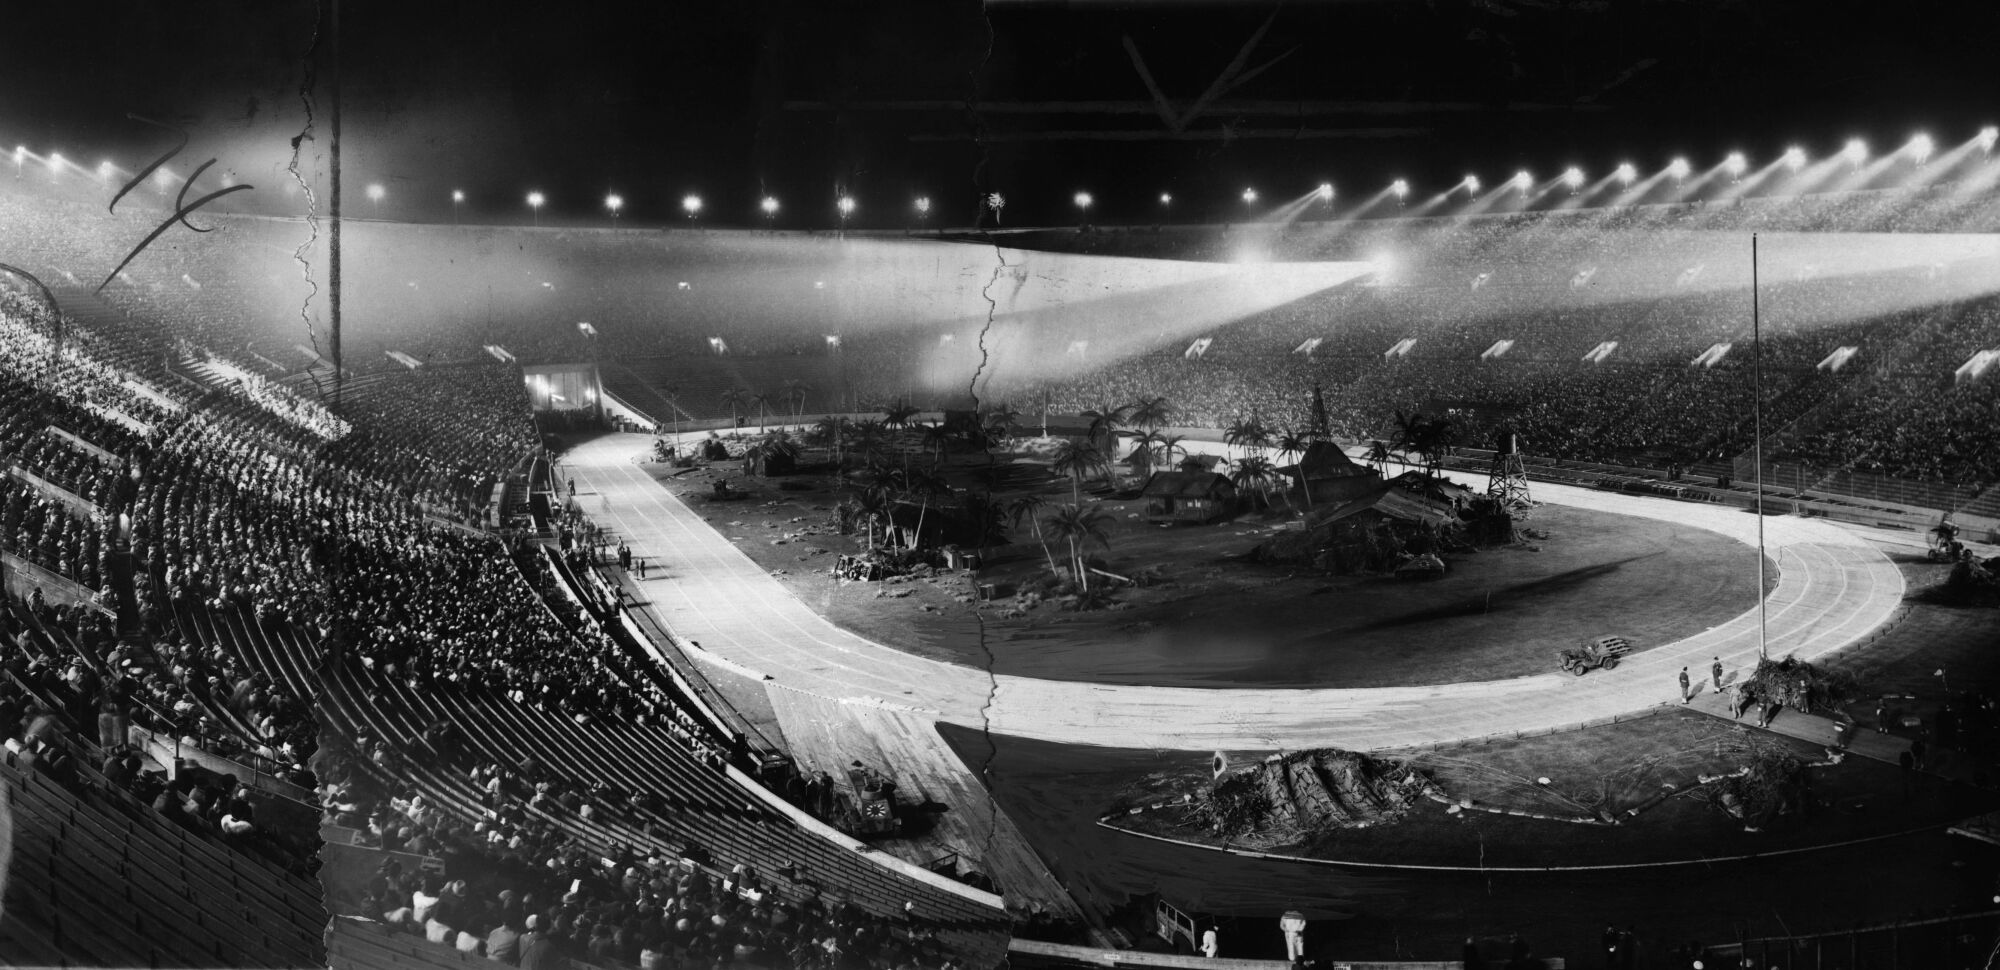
1169 444
869 437
1105 421
871 507
898 414
1248 434
1080 526
1143 456
1379 455
762 402
935 437
1254 472
795 395
1029 507
1429 438
1075 458
1295 441
987 517
1150 413
733 397
1001 421
925 486
671 393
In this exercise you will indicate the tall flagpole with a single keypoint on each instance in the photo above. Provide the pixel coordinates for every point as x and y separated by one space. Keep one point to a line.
1757 450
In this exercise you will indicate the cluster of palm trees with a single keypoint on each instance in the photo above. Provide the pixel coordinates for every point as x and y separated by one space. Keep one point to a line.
792 397
1073 524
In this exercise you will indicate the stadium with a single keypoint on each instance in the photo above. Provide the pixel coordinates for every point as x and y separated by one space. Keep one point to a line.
1493 498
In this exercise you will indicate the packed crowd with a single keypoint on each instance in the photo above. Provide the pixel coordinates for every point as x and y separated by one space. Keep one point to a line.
518 889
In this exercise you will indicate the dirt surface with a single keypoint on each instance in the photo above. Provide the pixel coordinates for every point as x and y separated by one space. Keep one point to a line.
1616 767
1217 621
1055 793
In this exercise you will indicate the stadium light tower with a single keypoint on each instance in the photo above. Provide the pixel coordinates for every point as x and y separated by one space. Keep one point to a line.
1987 137
1249 196
1471 184
1400 188
1735 165
614 202
1856 152
1573 178
1166 198
375 194
691 204
1679 168
770 207
535 200
924 205
457 199
1795 158
1919 148
1523 180
56 163
1326 192
20 157
105 168
846 206
1627 173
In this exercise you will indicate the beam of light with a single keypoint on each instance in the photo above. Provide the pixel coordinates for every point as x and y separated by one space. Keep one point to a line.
1741 185
1632 193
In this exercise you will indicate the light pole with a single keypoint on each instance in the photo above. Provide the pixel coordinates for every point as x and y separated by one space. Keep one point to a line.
770 207
923 208
614 202
1083 201
846 206
375 193
691 203
535 200
457 199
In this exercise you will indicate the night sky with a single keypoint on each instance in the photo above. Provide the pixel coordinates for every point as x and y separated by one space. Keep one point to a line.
800 99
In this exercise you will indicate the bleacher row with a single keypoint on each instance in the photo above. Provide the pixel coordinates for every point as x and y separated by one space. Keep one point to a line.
97 879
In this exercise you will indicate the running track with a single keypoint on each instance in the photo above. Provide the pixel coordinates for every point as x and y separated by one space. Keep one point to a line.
1833 590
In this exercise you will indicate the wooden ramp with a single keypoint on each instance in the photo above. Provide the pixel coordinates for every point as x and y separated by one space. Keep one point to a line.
827 734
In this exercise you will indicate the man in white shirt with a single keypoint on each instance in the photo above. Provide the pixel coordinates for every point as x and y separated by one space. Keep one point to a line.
1294 925
1210 944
